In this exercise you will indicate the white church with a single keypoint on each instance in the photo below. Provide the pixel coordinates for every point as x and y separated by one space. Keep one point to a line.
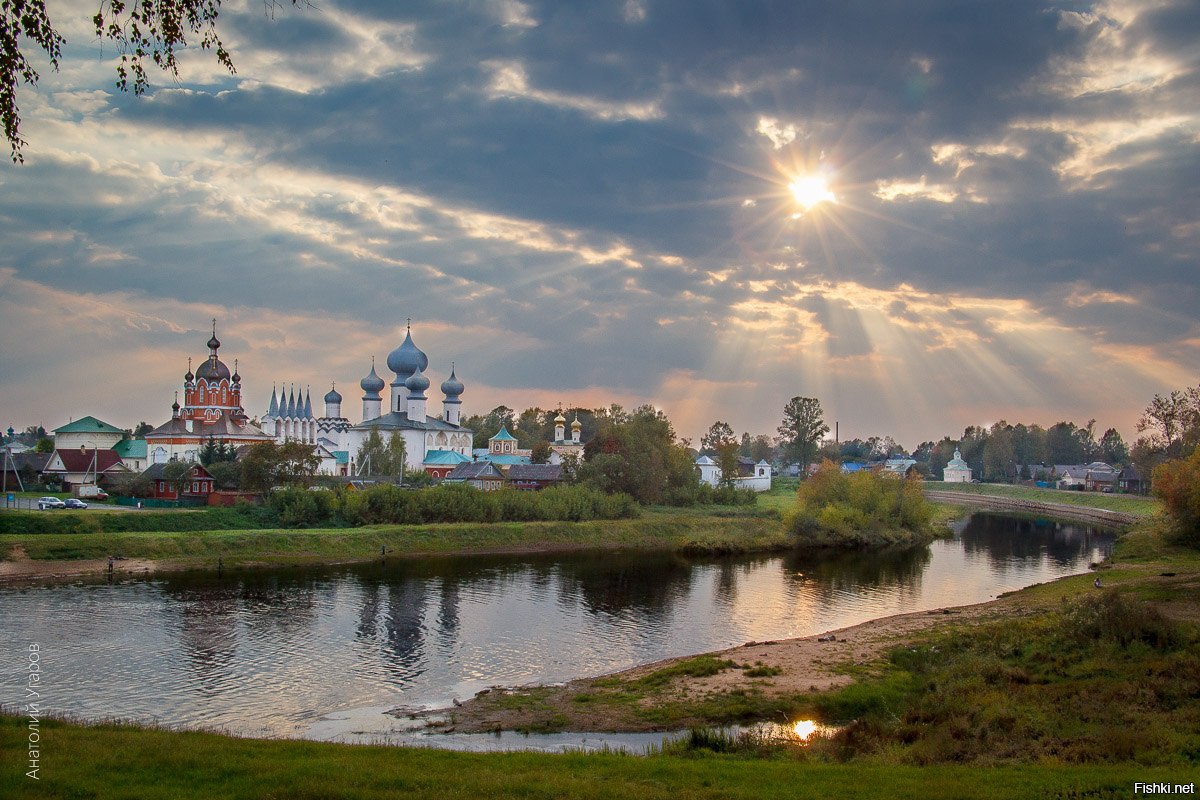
428 440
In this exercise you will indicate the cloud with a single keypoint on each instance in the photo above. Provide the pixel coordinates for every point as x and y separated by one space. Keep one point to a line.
592 201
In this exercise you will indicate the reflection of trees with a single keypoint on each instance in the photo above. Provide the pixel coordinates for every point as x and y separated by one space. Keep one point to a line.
644 583
829 574
1005 540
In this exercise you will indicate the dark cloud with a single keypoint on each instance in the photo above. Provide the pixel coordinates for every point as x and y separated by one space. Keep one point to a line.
596 189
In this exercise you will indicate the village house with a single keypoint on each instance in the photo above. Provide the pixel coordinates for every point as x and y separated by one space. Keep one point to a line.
481 475
197 484
534 477
86 466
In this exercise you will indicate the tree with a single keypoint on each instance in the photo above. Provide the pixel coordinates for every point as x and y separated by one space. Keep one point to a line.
540 452
268 465
175 474
380 458
999 457
802 429
1112 447
139 29
1177 484
761 448
44 445
1063 444
1173 422
718 434
142 429
727 461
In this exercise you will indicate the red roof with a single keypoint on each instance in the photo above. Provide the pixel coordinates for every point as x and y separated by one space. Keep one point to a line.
81 460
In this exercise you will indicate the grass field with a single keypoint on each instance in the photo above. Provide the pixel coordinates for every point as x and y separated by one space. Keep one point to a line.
1126 503
682 532
126 763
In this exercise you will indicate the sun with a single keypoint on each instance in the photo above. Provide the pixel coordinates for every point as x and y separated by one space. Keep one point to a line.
810 191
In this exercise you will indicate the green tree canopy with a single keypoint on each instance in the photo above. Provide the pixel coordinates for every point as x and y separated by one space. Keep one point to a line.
802 428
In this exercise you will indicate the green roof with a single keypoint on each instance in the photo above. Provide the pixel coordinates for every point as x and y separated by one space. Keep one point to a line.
88 425
131 448
504 434
445 457
505 459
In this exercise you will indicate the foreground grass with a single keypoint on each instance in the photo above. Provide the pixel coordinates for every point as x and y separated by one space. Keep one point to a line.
114 761
1125 503
689 533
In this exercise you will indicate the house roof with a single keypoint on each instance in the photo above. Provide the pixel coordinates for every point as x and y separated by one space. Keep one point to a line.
474 470
130 448
225 426
447 458
398 420
36 460
704 461
535 472
88 425
157 471
505 459
503 434
81 460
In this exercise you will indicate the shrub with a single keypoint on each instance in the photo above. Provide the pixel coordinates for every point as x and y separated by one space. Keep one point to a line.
860 508
1177 484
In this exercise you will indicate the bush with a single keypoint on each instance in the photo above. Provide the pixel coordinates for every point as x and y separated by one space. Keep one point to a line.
860 508
1177 484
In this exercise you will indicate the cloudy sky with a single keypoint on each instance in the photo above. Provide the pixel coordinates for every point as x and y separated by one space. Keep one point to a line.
927 214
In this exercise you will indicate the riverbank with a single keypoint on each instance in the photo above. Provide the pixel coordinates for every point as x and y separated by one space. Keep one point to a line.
46 556
1025 655
1133 741
126 762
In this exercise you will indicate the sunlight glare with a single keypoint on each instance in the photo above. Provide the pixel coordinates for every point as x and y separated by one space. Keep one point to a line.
811 190
805 728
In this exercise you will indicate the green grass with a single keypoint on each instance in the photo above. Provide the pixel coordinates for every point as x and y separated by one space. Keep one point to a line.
690 533
118 762
1125 503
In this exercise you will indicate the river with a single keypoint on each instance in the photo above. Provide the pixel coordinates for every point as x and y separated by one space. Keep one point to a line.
323 652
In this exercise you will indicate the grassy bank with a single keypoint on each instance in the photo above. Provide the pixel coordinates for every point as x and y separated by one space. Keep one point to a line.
1124 503
118 762
682 532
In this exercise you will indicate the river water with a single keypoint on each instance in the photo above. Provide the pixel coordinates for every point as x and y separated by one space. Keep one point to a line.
323 652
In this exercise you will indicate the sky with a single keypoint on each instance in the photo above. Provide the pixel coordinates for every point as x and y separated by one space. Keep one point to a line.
927 215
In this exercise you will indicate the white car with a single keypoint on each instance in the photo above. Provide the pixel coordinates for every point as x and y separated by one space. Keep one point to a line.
50 502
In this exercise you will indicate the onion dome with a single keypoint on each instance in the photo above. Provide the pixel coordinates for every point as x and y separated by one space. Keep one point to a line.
175 406
452 386
560 419
372 384
416 384
576 425
332 395
188 376
236 378
407 358
214 342
213 370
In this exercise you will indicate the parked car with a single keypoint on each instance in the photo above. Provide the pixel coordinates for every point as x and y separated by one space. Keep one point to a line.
72 502
50 502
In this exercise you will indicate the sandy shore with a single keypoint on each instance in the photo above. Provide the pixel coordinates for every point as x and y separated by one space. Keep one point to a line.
805 665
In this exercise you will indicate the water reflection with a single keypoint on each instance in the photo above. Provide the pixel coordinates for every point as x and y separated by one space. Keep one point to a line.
1064 543
272 653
